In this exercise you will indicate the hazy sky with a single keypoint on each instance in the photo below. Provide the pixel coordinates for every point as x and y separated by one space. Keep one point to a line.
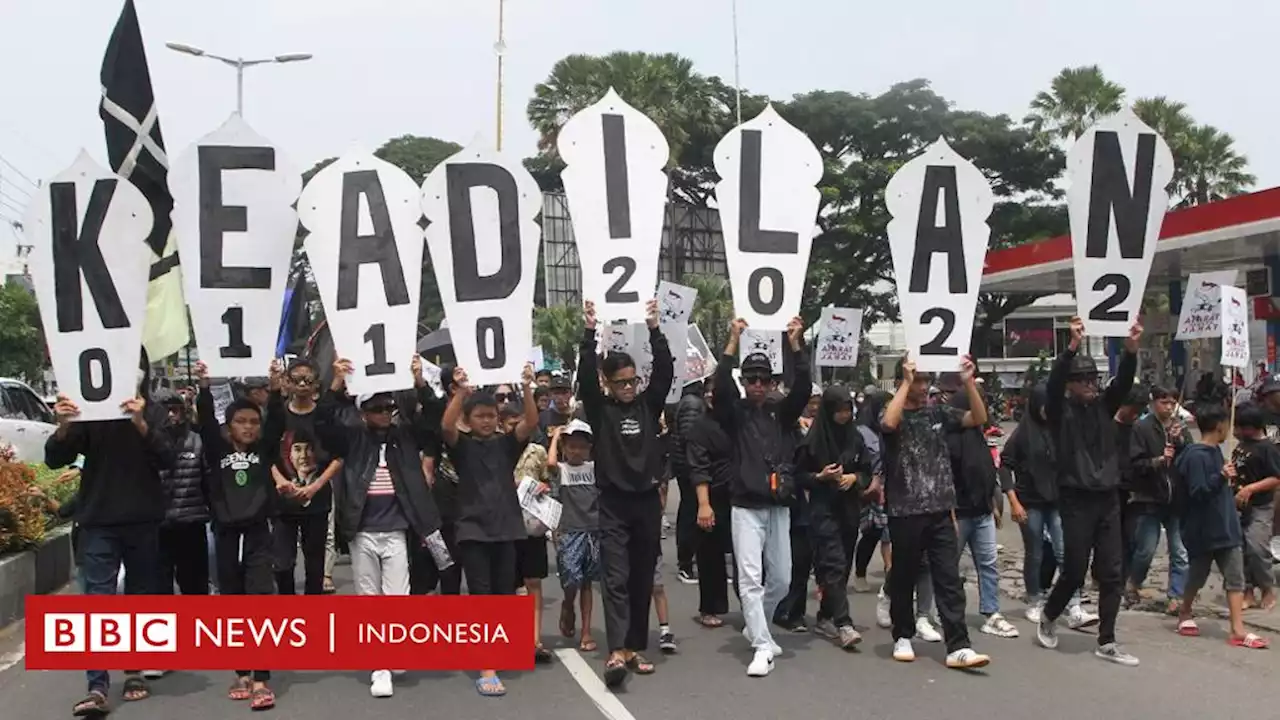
389 67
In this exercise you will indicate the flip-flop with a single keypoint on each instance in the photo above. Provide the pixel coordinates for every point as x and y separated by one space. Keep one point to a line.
640 666
568 619
94 705
1188 628
1249 641
587 645
135 689
542 656
711 622
615 672
490 687
263 699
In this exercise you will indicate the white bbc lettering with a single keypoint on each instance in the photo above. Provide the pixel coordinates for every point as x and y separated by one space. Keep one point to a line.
64 632
111 632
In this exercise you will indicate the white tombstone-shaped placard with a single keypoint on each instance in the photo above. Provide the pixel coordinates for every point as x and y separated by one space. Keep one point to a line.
768 201
88 228
233 196
1118 171
617 194
365 249
484 248
938 238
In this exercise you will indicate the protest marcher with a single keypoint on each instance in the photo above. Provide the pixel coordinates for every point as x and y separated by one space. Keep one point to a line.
242 497
424 575
710 458
763 481
1126 419
789 615
1212 528
119 508
628 471
573 482
184 547
920 497
383 503
1087 445
684 415
532 563
1256 466
1153 452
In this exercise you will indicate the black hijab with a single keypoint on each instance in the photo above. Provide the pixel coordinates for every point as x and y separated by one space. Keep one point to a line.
828 442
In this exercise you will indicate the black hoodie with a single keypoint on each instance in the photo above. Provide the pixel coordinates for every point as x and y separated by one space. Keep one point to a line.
1086 438
1029 453
972 467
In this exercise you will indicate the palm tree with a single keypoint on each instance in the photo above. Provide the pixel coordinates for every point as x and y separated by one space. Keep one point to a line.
714 308
1077 98
1212 169
1171 120
558 329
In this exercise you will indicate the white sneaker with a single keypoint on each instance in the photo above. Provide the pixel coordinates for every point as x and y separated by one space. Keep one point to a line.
1035 611
883 617
761 664
1047 632
967 659
902 651
153 674
926 632
998 626
1112 653
1078 618
775 647
381 686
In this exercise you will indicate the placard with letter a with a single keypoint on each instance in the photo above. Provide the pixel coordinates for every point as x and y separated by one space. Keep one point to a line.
938 237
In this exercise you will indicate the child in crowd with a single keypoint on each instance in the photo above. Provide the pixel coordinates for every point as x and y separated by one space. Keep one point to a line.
666 638
573 479
531 552
1211 526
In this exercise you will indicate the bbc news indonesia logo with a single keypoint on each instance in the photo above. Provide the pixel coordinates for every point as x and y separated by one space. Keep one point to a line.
224 632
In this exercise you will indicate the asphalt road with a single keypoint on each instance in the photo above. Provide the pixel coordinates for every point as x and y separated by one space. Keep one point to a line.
706 680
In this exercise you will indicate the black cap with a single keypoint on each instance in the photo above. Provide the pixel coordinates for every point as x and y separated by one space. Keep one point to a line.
255 383
560 381
1082 366
757 363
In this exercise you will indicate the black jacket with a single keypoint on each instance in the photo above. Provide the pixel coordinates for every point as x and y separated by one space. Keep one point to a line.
344 434
972 467
1211 521
680 422
709 454
185 482
1154 480
1086 438
763 436
1029 454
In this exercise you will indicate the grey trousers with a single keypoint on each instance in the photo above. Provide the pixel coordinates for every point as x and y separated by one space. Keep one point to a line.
1257 525
380 563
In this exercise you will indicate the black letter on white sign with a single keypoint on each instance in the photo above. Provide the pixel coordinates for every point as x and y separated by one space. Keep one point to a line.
932 239
616 192
468 283
101 391
938 346
355 250
217 219
75 251
774 275
376 335
491 328
751 238
233 318
1105 310
1109 195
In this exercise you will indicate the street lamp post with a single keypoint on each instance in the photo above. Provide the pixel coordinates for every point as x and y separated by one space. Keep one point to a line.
239 64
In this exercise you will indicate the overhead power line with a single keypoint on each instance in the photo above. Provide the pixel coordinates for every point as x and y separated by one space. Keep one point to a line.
19 172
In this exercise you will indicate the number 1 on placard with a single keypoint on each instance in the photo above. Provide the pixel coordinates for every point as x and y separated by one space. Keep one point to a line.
376 335
233 318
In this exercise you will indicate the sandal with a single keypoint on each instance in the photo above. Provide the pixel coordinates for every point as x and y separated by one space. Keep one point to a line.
587 645
490 687
241 689
263 699
638 665
615 672
711 622
542 656
568 619
135 689
94 705
1188 628
329 588
1249 641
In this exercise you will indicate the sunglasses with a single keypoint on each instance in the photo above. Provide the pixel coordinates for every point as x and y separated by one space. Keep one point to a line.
629 382
302 381
380 409
756 379
504 397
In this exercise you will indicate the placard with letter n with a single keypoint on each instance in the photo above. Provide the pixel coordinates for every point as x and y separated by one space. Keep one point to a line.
484 238
365 248
88 229
769 172
1118 172
233 198
938 237
617 192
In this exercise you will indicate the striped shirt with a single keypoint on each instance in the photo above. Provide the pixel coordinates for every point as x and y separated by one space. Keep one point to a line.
382 512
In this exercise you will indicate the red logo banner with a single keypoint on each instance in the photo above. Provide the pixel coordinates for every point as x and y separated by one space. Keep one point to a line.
276 632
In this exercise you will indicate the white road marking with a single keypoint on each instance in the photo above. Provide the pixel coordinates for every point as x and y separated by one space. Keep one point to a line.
9 659
589 680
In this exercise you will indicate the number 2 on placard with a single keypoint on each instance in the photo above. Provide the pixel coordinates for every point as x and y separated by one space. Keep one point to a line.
376 335
1105 310
233 318
938 346
615 293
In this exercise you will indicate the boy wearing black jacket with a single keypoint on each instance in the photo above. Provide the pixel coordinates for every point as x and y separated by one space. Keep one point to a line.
242 497
628 460
1087 448
1156 442
763 480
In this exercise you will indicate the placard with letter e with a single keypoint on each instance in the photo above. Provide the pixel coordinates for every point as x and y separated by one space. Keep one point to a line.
768 201
88 229
938 237
1118 171
233 196
484 247
617 194
1235 327
365 249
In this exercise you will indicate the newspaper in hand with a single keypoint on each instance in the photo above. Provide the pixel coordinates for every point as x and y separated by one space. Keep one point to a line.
439 551
541 511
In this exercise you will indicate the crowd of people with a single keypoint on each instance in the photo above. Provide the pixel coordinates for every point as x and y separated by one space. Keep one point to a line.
789 480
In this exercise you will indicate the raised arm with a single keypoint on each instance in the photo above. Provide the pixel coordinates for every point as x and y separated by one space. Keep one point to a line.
664 363
802 384
529 421
1126 372
725 391
893 411
453 412
589 364
67 442
976 415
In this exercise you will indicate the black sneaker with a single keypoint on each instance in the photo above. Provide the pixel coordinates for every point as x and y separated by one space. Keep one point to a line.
796 626
667 643
688 577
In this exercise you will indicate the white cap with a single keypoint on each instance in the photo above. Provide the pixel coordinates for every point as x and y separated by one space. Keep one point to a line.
816 391
577 427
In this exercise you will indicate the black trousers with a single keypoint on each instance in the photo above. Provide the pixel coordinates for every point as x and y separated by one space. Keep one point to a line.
184 558
311 530
245 570
424 576
490 567
1090 526
834 536
865 550
932 538
1128 528
713 590
793 605
630 540
687 535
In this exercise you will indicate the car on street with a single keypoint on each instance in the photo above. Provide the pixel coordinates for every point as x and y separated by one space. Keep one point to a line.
25 420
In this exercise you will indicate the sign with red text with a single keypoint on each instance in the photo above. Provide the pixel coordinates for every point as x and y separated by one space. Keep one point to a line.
1201 314
1235 327
838 336
225 632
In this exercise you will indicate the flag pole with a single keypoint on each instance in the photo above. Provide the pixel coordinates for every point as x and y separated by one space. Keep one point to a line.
737 67
500 47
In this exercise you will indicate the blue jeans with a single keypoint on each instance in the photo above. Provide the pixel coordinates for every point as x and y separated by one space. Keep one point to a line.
1146 536
1041 522
103 550
979 534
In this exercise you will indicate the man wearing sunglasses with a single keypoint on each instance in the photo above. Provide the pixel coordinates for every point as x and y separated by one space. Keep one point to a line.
762 482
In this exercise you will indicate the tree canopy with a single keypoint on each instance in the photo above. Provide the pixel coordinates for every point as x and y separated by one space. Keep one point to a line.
22 351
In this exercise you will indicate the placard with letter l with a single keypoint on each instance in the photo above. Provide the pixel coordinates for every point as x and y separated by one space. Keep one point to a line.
365 249
233 196
768 201
88 229
484 240
1118 171
938 237
617 192
1235 327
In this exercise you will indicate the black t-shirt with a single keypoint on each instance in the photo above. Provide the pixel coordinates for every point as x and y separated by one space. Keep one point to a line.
1257 460
312 458
917 465
488 507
